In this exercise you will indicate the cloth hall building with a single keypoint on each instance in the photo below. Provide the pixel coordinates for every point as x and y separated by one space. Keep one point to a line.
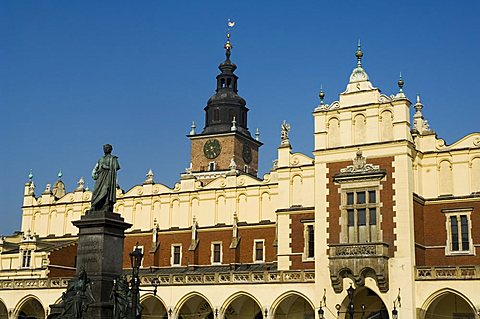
382 205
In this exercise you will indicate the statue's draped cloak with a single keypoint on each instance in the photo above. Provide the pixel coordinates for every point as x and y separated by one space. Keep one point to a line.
106 180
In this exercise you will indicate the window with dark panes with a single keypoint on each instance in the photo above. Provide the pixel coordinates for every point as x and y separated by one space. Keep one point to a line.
217 253
259 251
311 241
361 209
176 254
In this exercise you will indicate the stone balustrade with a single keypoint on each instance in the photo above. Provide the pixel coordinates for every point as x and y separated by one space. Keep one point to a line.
230 278
447 273
178 279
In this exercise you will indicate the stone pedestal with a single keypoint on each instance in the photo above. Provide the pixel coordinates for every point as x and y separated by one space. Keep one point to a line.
100 253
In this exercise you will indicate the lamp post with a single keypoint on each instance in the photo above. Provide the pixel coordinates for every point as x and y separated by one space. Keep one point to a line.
321 313
136 257
395 302
351 306
323 302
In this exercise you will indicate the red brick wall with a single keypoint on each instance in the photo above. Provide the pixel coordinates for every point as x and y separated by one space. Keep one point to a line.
386 198
143 239
63 257
435 234
298 240
231 145
202 255
419 232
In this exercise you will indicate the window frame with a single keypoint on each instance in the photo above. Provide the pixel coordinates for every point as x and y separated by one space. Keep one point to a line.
357 187
306 238
458 213
255 260
172 255
212 253
26 255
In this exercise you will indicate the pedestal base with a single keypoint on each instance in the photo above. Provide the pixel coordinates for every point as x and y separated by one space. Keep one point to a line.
100 253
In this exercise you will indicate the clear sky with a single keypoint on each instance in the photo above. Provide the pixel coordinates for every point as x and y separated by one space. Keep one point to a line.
77 74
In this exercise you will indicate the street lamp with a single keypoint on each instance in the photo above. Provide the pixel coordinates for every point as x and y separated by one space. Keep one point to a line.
323 302
136 257
321 313
394 313
395 302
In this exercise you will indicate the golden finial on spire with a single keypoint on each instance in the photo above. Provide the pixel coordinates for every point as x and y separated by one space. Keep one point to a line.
359 54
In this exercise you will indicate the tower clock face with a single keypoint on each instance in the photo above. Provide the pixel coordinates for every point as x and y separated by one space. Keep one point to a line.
212 148
247 154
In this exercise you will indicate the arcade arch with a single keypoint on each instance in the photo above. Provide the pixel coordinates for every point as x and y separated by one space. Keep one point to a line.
153 307
293 305
3 311
195 306
449 304
242 306
367 305
30 308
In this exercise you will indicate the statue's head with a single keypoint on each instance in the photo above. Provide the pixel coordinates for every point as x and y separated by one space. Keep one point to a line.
107 148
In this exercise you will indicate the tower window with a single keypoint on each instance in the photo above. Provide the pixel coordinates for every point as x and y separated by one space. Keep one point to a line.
211 166
229 83
216 115
222 83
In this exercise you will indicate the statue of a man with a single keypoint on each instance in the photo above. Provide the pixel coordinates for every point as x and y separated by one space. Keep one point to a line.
105 176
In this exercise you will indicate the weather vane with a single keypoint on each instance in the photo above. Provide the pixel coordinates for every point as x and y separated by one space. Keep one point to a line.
230 24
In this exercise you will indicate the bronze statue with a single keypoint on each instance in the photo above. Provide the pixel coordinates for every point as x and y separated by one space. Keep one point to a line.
105 176
77 298
121 298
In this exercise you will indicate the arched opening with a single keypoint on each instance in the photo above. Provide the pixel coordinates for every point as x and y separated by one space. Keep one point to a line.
243 307
31 309
366 305
3 311
196 307
294 307
449 305
153 308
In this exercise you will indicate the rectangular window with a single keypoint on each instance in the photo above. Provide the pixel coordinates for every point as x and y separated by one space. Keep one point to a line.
311 241
458 232
26 258
360 209
176 255
216 253
258 247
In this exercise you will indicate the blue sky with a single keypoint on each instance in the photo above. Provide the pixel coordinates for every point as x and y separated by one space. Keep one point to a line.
77 74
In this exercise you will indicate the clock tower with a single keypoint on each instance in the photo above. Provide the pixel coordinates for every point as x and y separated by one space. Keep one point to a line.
225 144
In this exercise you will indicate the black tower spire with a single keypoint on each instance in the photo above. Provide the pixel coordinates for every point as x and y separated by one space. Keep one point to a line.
226 105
